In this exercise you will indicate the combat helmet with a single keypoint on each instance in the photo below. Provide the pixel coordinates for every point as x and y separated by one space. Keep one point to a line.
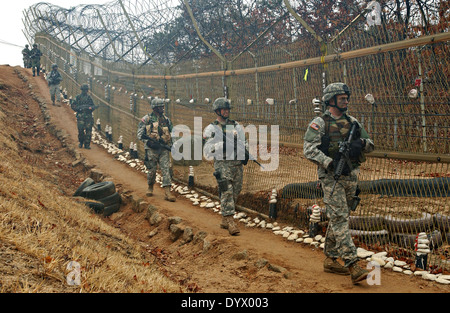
333 90
84 87
221 103
54 65
157 103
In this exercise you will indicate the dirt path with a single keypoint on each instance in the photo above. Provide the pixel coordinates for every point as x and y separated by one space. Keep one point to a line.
216 270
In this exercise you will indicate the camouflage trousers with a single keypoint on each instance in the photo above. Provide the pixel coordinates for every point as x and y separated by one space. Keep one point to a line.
26 63
338 241
231 178
36 66
85 129
153 157
54 92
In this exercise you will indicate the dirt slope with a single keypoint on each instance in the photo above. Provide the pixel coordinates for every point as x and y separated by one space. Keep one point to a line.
218 269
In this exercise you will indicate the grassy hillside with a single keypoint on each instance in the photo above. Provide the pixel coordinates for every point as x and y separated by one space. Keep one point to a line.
49 242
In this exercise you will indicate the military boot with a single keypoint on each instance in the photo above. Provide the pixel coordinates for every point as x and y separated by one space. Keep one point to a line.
228 223
80 145
357 273
87 145
149 191
168 194
224 223
331 265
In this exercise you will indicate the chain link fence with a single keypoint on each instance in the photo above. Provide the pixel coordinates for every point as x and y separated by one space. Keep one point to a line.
271 66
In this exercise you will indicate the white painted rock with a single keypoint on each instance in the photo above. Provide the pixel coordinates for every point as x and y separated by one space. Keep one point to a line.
428 276
292 237
442 281
447 277
397 269
378 260
389 265
308 240
399 263
299 240
407 272
318 238
380 255
362 253
420 273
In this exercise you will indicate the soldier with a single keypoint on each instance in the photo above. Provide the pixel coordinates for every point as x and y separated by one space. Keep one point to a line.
35 55
53 79
321 146
154 130
26 53
223 138
84 106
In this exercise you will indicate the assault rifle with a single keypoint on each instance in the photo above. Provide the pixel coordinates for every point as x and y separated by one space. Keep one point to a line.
343 156
83 107
239 147
157 143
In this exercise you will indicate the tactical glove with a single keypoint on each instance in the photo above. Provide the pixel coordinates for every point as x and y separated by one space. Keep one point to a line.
355 148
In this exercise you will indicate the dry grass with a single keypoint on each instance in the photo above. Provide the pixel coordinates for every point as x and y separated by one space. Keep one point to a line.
42 231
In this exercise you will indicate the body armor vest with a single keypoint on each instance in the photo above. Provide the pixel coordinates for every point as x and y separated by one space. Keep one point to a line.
337 131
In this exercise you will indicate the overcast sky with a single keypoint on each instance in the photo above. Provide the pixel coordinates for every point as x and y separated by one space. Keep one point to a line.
12 38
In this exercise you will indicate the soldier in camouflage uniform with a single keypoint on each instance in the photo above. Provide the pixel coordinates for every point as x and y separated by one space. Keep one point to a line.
84 106
26 57
53 79
157 126
321 145
35 55
228 164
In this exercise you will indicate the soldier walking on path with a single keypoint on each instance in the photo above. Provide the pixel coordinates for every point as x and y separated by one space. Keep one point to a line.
53 79
223 138
322 143
35 56
84 106
26 53
154 130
